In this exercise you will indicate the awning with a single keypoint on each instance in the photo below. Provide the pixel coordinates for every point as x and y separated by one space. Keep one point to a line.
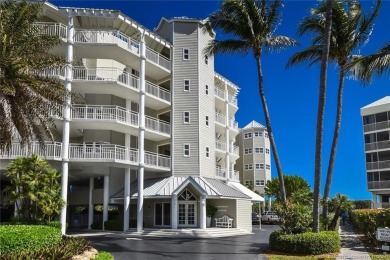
254 196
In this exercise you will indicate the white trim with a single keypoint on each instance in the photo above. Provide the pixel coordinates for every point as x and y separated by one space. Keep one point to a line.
184 117
184 149
207 121
207 152
207 89
184 50
184 85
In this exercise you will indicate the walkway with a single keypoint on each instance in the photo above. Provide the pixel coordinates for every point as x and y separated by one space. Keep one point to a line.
351 246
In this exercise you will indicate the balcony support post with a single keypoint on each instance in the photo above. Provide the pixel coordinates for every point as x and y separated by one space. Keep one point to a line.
203 212
66 121
106 198
141 136
227 141
126 200
174 211
90 204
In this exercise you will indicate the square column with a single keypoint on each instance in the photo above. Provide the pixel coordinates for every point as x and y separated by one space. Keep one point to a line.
174 211
106 198
203 212
126 203
90 203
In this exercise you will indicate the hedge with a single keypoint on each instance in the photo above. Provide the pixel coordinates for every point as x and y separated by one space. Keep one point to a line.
305 243
27 237
368 220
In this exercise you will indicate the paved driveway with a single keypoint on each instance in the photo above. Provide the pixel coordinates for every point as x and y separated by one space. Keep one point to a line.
228 248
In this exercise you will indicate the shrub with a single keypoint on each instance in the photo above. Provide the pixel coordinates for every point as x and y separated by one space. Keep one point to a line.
102 255
305 243
66 249
56 224
27 237
293 218
368 220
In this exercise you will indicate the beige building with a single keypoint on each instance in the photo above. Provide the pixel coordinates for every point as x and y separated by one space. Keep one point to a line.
376 122
254 163
154 142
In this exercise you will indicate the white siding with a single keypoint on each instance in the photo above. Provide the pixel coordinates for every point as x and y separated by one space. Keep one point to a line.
244 214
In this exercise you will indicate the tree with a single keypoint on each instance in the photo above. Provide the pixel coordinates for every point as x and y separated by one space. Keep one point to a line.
297 189
252 24
350 31
377 63
34 189
338 204
26 95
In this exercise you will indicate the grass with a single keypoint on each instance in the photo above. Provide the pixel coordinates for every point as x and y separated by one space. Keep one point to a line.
379 257
282 256
102 255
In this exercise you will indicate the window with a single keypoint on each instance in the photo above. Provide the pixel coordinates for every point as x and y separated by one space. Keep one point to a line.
259 182
207 152
267 166
259 150
186 150
259 166
258 134
207 89
266 150
206 60
248 167
266 135
247 135
186 54
186 117
248 150
247 182
207 120
186 85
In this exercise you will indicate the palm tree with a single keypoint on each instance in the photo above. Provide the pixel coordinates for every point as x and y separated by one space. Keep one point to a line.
252 23
377 63
350 31
26 95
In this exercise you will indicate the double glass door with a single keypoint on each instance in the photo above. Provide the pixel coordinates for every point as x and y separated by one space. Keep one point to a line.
187 214
162 214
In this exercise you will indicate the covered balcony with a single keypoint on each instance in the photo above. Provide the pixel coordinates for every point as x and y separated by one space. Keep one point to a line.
48 151
220 172
221 96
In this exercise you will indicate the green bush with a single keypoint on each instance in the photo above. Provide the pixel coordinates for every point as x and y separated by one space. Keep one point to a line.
305 243
104 256
293 218
117 225
56 224
27 237
368 220
66 249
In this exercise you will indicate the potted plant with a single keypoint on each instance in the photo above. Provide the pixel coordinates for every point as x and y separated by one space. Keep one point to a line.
210 212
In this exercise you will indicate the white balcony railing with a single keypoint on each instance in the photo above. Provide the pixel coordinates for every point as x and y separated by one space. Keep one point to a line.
220 172
233 124
157 125
104 113
235 175
50 150
220 119
376 126
52 29
232 100
157 91
159 160
125 42
220 145
378 165
219 93
235 150
372 185
87 152
378 145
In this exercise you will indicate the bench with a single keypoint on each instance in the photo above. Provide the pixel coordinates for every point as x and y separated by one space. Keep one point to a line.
224 222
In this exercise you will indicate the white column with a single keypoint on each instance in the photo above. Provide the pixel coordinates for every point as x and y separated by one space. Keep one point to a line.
90 203
374 197
263 209
203 212
227 139
141 136
126 199
106 198
259 215
66 120
269 203
174 211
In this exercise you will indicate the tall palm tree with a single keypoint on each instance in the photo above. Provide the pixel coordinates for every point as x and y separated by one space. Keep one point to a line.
350 31
377 63
252 24
26 95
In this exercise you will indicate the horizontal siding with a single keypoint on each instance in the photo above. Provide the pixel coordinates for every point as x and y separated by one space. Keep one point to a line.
244 214
185 36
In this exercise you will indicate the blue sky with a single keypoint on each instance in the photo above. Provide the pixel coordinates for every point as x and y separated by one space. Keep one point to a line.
292 94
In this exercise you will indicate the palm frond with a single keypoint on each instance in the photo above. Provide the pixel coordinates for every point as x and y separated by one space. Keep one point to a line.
312 55
279 42
224 46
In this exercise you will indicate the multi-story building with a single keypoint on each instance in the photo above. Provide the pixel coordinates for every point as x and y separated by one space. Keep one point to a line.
376 127
154 141
254 162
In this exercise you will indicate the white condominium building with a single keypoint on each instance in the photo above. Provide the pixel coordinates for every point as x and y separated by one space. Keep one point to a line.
376 127
154 142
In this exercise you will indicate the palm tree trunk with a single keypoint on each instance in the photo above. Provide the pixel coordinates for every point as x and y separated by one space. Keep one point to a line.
320 117
336 133
269 130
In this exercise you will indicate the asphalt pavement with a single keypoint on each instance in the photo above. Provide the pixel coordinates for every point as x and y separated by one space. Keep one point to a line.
246 247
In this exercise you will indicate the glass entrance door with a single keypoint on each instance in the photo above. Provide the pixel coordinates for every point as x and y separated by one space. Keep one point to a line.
162 214
187 214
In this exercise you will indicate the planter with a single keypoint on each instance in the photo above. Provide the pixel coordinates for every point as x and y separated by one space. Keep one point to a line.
208 222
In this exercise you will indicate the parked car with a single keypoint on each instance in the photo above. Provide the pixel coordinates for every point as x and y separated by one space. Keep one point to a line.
269 217
255 218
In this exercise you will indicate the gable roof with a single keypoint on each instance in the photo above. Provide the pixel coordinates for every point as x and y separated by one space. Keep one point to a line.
254 124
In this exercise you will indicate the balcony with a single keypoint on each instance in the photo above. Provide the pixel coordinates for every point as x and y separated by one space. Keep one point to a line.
157 160
53 29
378 165
221 97
378 145
235 150
219 172
157 125
220 119
233 124
49 151
234 175
376 126
376 185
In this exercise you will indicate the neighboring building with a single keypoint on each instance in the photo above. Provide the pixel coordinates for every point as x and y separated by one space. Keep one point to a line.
254 163
154 141
376 127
